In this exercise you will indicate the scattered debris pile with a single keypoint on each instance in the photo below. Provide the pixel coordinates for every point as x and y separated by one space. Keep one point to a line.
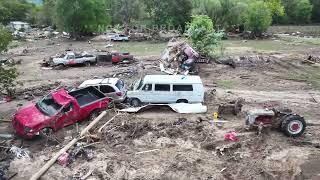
311 60
179 57
245 61
233 107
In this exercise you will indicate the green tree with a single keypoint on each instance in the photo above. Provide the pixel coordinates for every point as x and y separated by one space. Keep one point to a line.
82 17
8 75
316 11
298 11
202 34
258 18
169 13
124 11
14 10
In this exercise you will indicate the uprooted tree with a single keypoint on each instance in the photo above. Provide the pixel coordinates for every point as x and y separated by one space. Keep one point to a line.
202 34
82 17
8 74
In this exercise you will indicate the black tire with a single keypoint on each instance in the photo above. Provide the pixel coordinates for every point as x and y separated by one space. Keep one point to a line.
293 125
60 67
46 131
87 63
135 102
182 101
93 115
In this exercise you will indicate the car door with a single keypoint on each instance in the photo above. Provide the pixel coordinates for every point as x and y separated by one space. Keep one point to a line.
147 94
108 91
71 59
67 116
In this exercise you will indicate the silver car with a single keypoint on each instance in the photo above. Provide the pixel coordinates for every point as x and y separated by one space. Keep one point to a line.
113 88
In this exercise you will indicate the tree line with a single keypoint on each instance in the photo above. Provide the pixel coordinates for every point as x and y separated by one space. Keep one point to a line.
86 16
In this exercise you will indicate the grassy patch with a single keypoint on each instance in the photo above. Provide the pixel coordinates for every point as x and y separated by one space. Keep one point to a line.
301 40
227 84
140 48
310 76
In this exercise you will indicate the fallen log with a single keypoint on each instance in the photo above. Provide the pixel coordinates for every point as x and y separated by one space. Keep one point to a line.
67 147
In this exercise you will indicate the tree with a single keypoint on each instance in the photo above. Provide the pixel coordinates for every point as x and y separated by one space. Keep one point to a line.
8 75
258 18
316 11
124 11
82 17
169 13
14 10
298 11
202 34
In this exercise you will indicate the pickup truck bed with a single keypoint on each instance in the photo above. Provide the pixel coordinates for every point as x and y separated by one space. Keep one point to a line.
87 96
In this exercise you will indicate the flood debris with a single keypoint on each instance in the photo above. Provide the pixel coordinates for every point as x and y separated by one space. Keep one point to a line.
231 136
20 153
311 60
245 61
292 125
231 108
179 58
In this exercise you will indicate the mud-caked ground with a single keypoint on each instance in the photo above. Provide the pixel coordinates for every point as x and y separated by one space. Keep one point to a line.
161 144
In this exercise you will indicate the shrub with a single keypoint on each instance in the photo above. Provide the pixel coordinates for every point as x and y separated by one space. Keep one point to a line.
258 18
202 34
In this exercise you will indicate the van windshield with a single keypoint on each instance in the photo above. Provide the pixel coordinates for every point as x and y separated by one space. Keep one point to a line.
138 84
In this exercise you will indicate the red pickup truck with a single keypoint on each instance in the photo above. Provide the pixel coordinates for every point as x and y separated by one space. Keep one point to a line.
59 109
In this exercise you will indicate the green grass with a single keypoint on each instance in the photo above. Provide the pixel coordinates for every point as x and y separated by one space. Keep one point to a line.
140 48
227 84
301 40
310 76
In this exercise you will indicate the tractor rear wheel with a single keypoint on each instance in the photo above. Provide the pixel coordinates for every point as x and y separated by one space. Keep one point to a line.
293 125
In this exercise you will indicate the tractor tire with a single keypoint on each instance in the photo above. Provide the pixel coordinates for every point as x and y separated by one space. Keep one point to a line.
293 125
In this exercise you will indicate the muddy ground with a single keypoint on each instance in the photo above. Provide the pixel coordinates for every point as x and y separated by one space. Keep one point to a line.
160 144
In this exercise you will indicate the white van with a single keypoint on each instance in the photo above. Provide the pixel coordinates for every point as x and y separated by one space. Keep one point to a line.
166 89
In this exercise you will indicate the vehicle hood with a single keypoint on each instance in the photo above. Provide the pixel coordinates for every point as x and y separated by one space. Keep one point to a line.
30 116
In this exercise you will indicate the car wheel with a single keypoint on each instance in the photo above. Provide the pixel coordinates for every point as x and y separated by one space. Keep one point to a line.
182 101
293 125
60 67
88 64
93 115
135 102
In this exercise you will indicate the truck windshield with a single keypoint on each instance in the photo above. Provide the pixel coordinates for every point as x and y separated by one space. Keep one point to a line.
138 84
48 106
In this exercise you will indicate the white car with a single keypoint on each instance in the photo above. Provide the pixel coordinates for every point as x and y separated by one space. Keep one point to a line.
119 37
166 89
113 88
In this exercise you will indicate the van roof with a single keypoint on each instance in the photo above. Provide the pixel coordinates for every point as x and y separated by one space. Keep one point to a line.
177 79
99 81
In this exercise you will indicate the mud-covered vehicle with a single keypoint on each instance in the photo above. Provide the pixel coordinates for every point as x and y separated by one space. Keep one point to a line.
293 125
59 109
71 59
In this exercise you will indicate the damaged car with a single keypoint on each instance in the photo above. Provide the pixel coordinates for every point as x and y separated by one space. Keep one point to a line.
70 58
166 89
57 110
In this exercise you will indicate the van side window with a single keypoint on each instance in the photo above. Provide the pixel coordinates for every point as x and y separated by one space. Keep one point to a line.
182 88
147 87
162 87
